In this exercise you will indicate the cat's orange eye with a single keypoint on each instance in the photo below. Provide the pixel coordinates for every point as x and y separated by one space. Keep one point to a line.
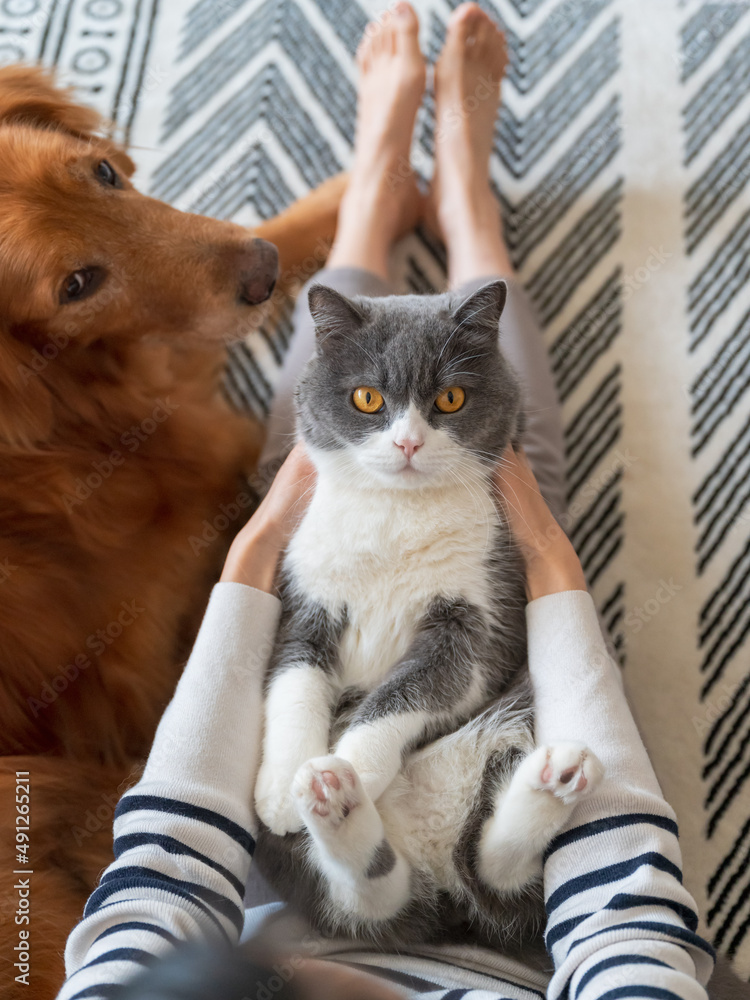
367 399
450 400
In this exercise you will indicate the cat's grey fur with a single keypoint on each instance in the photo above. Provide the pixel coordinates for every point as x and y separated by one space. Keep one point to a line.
463 671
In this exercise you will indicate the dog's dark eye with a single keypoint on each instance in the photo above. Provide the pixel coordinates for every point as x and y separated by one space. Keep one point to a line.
80 284
105 173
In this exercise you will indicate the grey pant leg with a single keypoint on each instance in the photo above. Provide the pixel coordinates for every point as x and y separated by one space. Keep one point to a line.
522 344
281 419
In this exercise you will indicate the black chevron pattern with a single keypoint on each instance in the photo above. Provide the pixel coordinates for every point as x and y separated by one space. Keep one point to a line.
594 430
526 7
703 32
203 20
597 533
720 388
612 613
530 220
718 187
716 74
723 277
522 142
254 172
262 101
556 280
535 55
285 24
716 100
588 336
595 471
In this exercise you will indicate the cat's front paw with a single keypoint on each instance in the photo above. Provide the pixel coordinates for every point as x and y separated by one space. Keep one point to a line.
569 771
326 789
274 802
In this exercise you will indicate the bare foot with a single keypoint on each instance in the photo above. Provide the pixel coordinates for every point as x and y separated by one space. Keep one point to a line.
382 200
461 205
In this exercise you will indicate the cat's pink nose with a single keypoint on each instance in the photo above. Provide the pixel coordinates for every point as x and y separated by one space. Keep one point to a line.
409 445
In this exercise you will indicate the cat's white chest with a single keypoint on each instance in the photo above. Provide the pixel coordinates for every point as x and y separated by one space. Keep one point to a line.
383 558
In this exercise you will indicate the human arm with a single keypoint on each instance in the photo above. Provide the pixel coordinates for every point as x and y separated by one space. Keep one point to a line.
619 918
184 833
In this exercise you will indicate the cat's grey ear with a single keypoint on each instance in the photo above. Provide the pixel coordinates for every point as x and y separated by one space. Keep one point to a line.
332 313
483 308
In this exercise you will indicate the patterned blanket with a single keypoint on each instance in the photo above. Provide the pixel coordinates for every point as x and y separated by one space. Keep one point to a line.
622 157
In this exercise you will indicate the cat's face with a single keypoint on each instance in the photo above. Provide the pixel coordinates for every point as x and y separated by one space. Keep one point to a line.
407 391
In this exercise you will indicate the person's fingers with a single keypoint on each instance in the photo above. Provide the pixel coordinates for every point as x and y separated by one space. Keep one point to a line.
299 461
531 521
513 468
551 562
519 491
296 469
291 490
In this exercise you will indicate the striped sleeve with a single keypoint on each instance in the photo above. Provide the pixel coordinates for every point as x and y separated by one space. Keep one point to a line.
184 834
620 923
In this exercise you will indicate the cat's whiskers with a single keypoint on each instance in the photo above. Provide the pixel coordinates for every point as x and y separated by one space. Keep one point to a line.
507 467
449 373
501 496
469 476
505 499
357 344
463 484
301 500
454 375
507 471
467 357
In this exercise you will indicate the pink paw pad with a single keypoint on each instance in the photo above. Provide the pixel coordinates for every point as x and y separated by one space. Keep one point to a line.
567 776
331 779
567 771
324 792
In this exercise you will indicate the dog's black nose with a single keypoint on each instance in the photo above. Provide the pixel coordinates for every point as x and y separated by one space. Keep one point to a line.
259 272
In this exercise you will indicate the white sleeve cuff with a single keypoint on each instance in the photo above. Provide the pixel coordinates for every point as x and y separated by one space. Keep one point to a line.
578 693
210 732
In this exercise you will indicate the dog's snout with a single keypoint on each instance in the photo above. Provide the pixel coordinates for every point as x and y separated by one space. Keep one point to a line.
259 271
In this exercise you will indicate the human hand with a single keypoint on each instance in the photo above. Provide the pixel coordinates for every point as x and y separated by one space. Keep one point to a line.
551 561
254 554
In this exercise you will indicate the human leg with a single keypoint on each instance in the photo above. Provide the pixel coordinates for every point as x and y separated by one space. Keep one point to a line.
463 208
381 202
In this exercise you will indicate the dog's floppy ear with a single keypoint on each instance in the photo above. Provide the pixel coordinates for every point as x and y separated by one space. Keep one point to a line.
28 96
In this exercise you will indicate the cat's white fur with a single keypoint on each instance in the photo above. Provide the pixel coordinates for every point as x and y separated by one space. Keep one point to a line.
422 815
415 532
418 529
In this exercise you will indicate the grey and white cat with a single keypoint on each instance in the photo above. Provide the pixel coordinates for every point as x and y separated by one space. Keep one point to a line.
400 791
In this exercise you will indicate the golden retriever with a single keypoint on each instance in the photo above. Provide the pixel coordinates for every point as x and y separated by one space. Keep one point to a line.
116 454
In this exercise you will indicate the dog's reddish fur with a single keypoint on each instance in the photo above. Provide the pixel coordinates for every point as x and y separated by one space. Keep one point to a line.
78 710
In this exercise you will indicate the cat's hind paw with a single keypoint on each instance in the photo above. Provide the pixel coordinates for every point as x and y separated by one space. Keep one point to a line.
326 790
569 771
